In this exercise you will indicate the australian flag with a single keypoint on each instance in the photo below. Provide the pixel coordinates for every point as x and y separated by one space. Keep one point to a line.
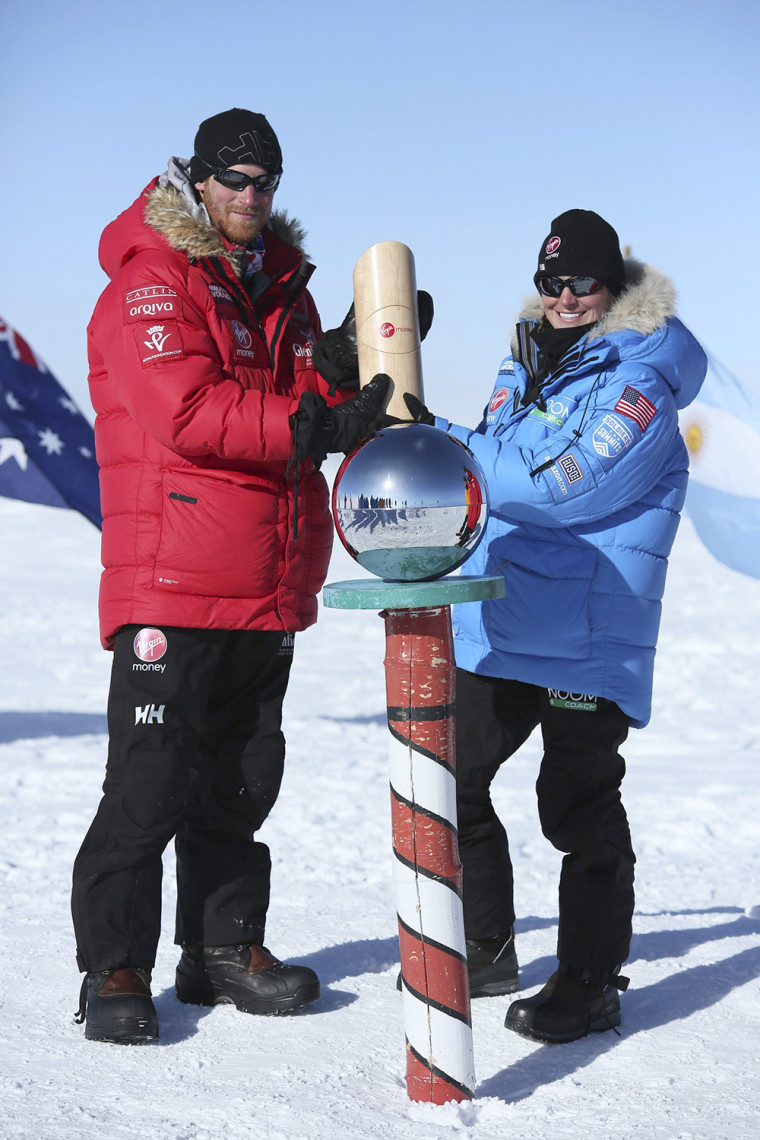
47 447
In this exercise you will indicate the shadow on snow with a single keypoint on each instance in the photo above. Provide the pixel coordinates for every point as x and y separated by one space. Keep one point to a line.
32 725
672 999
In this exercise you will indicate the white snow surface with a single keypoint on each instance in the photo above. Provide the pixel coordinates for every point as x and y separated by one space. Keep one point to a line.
684 1066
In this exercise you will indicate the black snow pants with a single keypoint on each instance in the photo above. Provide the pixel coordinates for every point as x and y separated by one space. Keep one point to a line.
196 753
579 807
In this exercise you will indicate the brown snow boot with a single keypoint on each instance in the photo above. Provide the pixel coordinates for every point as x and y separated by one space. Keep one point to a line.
116 1005
248 977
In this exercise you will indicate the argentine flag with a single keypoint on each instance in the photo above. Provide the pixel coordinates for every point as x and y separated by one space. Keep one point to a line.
722 434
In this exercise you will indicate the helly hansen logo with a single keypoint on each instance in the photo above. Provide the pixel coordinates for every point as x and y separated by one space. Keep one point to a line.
288 643
149 714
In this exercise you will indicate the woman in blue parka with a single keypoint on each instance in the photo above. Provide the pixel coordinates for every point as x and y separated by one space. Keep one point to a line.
586 474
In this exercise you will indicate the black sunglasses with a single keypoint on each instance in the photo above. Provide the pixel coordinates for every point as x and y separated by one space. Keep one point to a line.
578 286
236 180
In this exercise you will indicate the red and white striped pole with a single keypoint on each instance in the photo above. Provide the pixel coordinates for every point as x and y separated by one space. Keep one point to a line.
420 686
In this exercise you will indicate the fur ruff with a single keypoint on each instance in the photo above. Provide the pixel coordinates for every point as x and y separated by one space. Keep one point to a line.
168 212
647 301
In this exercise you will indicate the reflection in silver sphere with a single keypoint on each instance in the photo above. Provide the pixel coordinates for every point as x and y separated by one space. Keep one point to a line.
410 504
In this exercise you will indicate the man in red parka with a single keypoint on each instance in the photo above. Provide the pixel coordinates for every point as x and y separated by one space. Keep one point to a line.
211 424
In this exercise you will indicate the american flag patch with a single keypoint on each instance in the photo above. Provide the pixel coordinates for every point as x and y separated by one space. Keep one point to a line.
636 407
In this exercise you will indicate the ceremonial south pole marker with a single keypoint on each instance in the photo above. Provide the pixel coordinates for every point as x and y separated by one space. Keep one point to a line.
427 874
410 506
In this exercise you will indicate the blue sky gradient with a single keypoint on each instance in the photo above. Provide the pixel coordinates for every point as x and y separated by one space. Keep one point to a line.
461 129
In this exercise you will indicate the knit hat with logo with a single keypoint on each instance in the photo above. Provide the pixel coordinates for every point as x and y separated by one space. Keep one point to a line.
581 243
235 138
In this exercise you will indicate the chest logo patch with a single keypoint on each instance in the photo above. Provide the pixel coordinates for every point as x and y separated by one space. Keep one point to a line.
307 348
219 293
242 335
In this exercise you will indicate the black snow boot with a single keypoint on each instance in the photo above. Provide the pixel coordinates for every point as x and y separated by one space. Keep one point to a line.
491 966
568 1007
116 1006
247 976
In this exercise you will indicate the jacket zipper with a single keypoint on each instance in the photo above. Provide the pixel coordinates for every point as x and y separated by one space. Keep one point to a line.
247 310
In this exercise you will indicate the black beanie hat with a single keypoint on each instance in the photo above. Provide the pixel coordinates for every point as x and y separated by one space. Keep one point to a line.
234 138
580 242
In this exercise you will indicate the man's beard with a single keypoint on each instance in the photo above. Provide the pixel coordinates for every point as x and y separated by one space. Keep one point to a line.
236 229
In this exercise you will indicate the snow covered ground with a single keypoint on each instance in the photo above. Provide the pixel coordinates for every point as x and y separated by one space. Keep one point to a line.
685 1065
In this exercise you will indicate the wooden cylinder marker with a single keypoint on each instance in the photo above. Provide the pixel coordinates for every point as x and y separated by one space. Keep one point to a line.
387 324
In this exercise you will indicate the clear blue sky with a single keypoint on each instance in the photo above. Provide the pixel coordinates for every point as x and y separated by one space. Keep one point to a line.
460 128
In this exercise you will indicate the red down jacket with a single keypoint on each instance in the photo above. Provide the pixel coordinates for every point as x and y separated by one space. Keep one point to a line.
193 386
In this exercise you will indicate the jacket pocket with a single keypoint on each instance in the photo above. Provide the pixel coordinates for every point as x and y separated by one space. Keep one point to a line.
221 535
546 611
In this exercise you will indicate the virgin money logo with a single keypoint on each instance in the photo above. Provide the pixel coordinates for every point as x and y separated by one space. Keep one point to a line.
150 644
498 399
553 244
242 336
387 329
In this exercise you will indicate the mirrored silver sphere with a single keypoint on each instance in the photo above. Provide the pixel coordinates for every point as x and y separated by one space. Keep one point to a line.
410 504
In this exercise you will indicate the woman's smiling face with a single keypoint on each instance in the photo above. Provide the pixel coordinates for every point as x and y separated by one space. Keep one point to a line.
567 310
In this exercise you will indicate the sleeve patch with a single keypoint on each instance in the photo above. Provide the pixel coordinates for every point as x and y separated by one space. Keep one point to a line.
571 467
157 343
150 303
611 437
566 470
636 406
500 396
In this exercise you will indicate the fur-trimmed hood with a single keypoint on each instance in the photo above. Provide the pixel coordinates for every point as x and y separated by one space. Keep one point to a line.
641 325
170 207
646 303
167 212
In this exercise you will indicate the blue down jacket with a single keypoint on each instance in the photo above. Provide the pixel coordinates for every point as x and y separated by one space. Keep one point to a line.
585 488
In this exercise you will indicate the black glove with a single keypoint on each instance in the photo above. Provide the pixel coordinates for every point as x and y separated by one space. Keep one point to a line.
417 410
425 311
335 357
418 414
318 430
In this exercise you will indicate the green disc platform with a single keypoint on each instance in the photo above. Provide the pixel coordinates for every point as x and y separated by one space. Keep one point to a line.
374 593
